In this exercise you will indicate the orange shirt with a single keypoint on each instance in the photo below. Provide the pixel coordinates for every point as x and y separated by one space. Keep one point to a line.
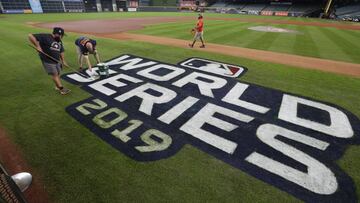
200 25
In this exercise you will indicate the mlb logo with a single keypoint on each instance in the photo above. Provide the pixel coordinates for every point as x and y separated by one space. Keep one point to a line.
214 67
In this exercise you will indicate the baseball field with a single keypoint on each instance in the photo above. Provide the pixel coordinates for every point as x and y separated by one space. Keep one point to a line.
70 162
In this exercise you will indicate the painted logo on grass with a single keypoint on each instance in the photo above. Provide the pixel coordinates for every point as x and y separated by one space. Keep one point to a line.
148 110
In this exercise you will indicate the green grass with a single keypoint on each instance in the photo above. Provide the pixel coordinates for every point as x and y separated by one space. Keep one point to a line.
76 166
327 43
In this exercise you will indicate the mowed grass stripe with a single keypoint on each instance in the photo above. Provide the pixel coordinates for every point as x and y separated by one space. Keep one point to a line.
264 41
225 35
312 42
305 44
284 42
173 30
245 35
352 35
158 29
210 32
240 35
19 51
349 47
328 48
213 30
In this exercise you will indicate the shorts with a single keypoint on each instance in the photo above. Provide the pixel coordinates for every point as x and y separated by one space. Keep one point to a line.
81 52
78 51
52 68
199 35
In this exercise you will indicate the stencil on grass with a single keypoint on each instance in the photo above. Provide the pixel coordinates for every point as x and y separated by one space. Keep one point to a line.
148 110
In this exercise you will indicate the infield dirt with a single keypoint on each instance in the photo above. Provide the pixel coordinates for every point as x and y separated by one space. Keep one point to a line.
117 28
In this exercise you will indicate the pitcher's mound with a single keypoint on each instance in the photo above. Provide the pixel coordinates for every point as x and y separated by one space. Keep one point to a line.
273 29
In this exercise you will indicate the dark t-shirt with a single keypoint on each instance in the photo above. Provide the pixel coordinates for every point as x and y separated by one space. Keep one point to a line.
50 47
81 43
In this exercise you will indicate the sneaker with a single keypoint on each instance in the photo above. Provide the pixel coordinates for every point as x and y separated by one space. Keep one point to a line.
191 46
93 73
202 46
56 88
64 91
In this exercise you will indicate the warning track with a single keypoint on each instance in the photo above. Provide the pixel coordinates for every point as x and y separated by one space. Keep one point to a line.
116 29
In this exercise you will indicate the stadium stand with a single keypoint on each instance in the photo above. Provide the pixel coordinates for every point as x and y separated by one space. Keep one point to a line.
58 6
121 5
74 6
349 9
157 9
90 6
187 4
254 7
270 7
348 12
280 7
226 7
303 8
15 6
50 6
106 5
237 6
163 2
47 6
219 5
356 13
144 3
164 5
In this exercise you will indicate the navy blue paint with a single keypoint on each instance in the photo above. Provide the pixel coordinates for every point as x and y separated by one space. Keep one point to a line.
314 114
244 136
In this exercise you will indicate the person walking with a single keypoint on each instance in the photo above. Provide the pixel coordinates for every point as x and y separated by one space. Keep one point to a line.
51 52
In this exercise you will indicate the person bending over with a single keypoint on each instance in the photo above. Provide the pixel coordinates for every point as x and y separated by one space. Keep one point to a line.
84 47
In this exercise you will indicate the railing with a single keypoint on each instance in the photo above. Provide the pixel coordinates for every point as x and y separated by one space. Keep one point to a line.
9 191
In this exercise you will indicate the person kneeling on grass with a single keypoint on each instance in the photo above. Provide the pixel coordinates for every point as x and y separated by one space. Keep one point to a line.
84 47
51 52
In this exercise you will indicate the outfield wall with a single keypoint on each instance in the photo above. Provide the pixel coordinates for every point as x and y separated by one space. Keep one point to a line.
157 9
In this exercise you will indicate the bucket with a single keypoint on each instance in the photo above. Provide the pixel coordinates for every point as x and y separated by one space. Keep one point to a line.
103 69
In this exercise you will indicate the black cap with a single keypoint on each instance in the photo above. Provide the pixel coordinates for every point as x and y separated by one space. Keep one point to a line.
58 30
